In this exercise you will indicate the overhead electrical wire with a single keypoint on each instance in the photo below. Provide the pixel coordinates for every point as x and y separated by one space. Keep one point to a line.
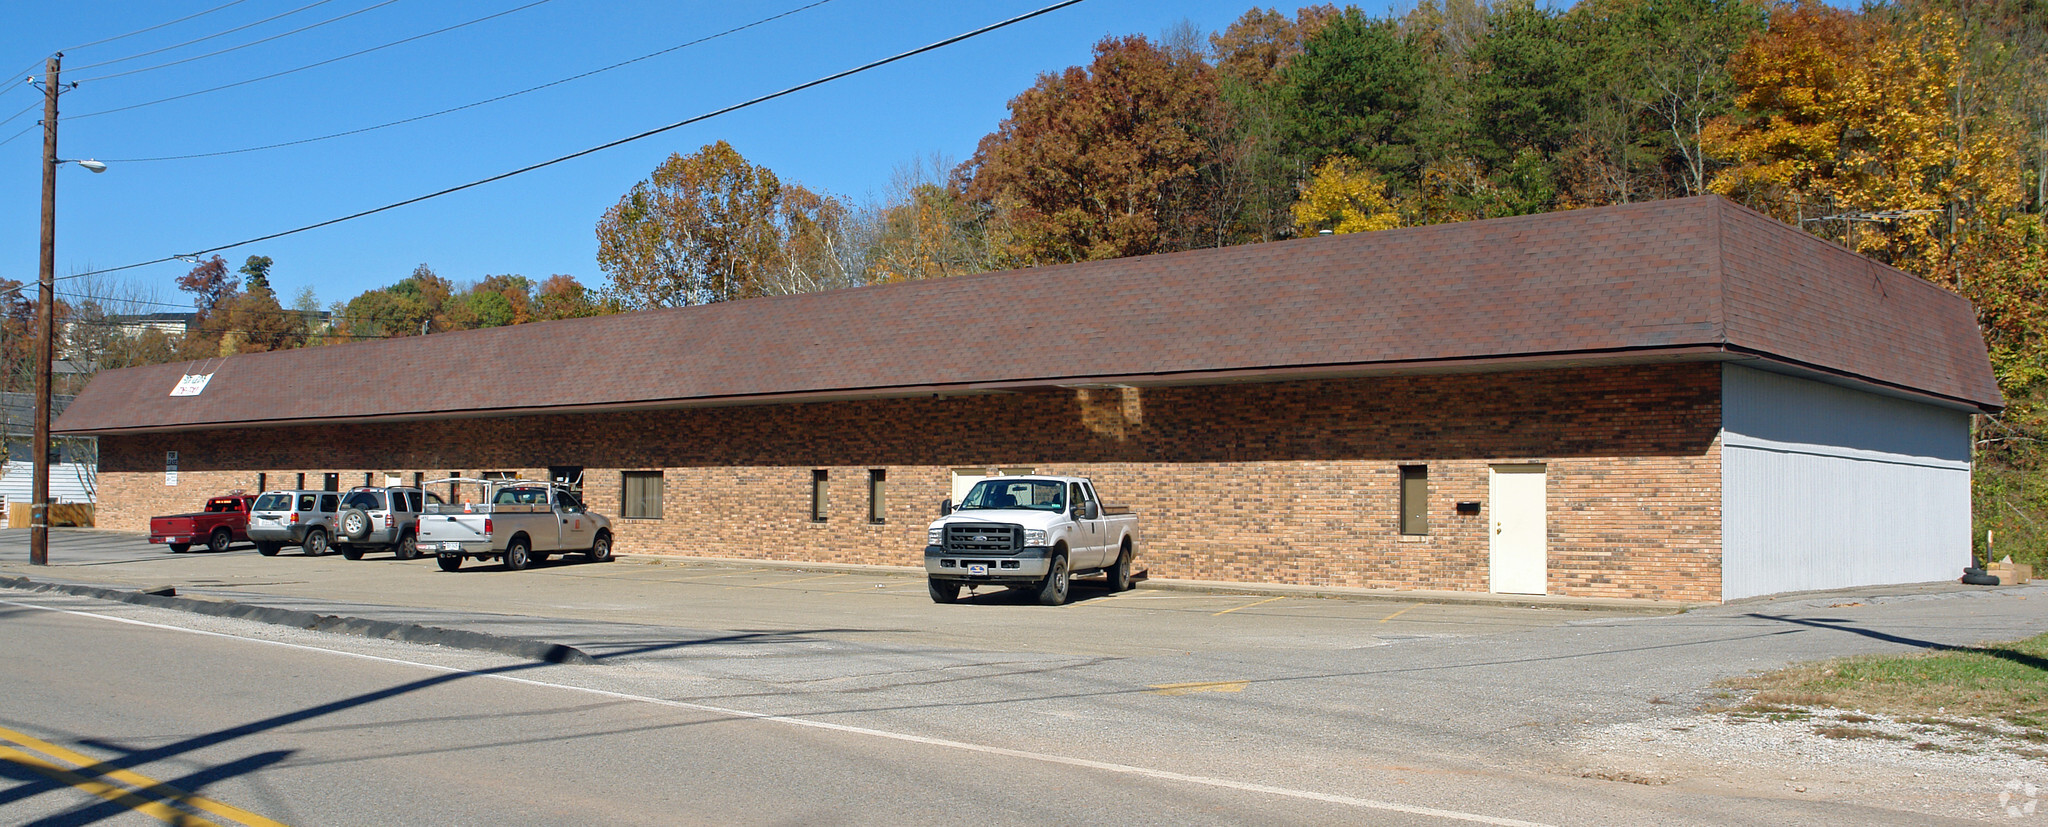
258 41
604 146
452 110
146 29
222 33
299 69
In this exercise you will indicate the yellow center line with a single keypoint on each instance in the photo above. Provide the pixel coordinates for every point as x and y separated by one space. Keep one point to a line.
1402 612
128 777
1249 605
119 795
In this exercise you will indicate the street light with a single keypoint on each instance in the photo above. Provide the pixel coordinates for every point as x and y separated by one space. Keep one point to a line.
46 328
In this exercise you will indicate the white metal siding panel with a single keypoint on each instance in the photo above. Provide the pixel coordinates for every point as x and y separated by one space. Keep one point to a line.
1827 487
67 482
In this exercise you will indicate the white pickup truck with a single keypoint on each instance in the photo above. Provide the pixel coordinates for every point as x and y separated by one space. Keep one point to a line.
1029 531
521 522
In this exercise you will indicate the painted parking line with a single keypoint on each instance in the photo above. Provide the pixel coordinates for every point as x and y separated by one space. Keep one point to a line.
1249 605
1198 686
148 796
1404 611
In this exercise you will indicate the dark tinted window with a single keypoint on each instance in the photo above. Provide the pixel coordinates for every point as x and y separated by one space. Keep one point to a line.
365 500
327 502
274 502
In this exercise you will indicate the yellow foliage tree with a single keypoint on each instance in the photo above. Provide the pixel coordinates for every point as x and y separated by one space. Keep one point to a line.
1344 197
1866 120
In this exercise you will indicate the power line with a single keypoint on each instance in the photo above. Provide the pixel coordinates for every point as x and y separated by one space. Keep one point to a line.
291 71
449 111
157 26
608 145
258 41
222 33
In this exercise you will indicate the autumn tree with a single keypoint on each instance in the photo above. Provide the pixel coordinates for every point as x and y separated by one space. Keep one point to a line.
1112 159
710 226
1257 180
1344 197
209 283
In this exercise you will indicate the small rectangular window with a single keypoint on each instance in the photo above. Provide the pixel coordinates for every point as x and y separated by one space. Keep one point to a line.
330 482
819 479
1414 499
262 483
642 497
301 484
878 506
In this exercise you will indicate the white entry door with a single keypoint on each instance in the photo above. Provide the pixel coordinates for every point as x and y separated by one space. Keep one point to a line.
1521 532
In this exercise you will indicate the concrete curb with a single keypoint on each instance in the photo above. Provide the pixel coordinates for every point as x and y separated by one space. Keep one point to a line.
1525 601
360 627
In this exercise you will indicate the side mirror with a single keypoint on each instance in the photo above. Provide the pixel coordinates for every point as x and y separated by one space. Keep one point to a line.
945 507
1085 511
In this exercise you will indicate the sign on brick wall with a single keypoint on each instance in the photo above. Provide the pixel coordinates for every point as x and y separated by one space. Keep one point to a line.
170 468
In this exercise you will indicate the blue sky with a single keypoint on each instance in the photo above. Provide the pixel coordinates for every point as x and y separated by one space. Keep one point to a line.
845 138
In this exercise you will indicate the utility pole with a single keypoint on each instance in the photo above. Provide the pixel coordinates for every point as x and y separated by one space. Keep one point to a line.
39 447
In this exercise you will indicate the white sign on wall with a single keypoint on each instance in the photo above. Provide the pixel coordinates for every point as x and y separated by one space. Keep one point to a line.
170 468
191 384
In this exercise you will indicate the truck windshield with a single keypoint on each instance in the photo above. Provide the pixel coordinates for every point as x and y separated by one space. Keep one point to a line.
1042 495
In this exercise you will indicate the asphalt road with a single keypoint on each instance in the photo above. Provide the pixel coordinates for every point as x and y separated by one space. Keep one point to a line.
738 694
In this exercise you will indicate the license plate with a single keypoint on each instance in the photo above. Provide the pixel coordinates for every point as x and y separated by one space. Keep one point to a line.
977 568
451 546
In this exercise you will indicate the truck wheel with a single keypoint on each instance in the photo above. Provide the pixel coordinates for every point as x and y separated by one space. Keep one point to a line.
267 549
517 554
1120 573
600 549
355 524
408 547
1058 578
449 562
943 591
351 552
315 544
180 548
218 541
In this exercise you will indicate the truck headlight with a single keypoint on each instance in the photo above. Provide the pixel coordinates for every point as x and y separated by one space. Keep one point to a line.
1034 537
934 536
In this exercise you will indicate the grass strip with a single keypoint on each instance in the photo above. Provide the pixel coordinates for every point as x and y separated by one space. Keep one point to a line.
1997 681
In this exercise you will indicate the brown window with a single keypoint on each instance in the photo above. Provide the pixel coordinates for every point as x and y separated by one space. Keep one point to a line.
819 479
330 482
301 485
1414 499
642 497
878 506
262 483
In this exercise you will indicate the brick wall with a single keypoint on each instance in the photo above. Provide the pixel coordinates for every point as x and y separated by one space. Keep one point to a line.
1292 482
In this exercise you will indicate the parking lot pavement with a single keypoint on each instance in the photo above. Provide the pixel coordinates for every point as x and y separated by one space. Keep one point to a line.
1282 689
584 604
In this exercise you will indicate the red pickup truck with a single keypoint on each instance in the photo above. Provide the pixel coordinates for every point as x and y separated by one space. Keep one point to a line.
225 520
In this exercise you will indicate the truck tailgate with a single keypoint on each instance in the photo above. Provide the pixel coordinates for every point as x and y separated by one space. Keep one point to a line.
435 529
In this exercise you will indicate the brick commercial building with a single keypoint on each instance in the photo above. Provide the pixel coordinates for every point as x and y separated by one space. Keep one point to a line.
1681 399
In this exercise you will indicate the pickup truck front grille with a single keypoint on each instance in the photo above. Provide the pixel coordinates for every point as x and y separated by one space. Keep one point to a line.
984 537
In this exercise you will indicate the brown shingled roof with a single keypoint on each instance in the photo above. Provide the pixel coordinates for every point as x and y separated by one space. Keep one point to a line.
1685 278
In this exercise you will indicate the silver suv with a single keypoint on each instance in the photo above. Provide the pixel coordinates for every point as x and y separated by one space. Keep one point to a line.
300 518
381 519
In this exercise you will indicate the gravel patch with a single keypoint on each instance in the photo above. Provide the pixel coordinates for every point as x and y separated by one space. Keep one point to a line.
1956 767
